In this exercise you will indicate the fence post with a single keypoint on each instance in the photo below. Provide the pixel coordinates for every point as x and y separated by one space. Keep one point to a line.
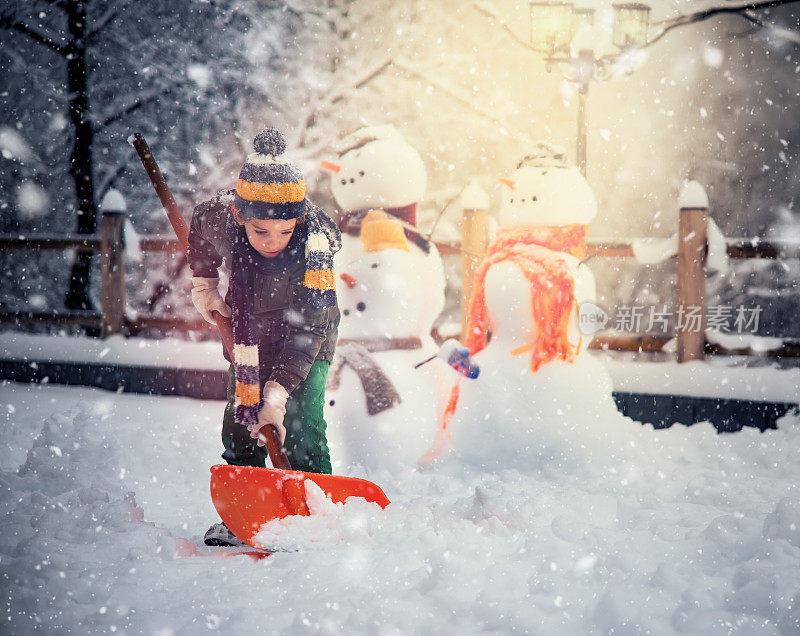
692 250
474 239
112 263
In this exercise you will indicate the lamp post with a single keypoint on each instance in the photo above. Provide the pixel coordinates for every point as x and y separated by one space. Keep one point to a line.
566 35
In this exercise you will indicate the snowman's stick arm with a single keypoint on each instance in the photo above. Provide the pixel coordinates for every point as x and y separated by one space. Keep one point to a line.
442 211
426 361
420 240
424 240
457 357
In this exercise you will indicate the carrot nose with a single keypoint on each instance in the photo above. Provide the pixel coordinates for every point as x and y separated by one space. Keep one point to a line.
509 182
348 280
330 166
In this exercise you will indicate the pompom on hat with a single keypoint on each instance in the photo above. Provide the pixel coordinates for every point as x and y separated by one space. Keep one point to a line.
380 231
269 185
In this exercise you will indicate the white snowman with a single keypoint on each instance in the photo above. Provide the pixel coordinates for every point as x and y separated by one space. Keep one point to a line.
377 168
380 409
540 400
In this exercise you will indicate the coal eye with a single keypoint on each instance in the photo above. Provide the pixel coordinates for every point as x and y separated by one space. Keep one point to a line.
534 199
346 312
361 306
344 181
352 180
374 265
512 201
361 172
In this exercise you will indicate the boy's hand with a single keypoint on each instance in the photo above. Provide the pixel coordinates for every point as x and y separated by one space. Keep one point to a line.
273 408
206 298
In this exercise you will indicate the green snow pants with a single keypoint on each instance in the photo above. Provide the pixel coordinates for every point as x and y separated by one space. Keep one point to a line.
305 445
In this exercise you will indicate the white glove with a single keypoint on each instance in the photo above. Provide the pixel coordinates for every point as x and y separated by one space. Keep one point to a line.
273 408
206 298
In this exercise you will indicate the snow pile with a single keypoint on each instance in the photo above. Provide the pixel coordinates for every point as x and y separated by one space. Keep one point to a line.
32 200
683 531
691 533
65 516
329 525
14 146
652 250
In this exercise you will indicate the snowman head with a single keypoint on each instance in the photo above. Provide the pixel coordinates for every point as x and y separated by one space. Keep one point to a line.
376 168
546 190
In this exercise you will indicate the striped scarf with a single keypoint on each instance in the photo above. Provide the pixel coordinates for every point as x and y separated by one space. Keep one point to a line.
322 240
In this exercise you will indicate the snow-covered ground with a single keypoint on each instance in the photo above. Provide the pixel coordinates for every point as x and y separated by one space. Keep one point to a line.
681 531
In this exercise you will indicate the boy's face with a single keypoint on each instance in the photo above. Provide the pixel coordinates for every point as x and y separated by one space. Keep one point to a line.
269 237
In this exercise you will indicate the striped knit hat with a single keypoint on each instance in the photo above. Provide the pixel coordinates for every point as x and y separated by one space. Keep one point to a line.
269 186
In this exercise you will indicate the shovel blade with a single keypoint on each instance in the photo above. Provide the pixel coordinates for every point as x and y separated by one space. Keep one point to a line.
247 497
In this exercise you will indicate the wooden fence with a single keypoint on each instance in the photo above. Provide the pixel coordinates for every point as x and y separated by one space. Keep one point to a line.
111 318
691 275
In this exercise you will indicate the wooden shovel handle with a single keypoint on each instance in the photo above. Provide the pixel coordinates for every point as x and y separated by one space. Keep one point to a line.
277 454
176 219
225 331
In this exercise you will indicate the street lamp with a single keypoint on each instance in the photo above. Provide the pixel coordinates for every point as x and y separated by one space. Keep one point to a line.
631 22
565 34
551 26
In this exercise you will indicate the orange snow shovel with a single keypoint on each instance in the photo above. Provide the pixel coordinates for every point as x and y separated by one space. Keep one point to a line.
247 497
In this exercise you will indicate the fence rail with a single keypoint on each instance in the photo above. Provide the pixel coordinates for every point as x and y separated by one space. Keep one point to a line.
692 250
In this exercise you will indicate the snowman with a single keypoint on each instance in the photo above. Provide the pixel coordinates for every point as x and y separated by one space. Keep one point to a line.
378 168
541 401
381 410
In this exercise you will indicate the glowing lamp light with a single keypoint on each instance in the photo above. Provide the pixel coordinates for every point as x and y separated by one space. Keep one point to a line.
551 25
631 21
583 18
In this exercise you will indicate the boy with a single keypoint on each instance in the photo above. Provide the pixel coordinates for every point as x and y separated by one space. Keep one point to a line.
282 301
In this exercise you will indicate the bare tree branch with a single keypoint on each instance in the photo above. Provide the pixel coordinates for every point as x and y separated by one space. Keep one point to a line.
712 11
699 16
469 103
487 9
104 20
744 10
330 98
101 23
110 179
135 105
9 23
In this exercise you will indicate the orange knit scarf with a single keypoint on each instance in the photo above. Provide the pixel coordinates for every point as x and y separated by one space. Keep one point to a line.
552 288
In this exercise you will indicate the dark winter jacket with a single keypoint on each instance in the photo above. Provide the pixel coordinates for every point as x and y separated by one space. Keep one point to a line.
292 334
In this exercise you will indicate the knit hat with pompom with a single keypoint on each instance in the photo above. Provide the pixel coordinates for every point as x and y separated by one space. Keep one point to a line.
269 185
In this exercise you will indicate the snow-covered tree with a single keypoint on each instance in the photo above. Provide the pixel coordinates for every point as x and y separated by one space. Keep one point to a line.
83 74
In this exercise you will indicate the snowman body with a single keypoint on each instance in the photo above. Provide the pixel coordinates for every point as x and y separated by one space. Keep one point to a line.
511 416
384 297
431 285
